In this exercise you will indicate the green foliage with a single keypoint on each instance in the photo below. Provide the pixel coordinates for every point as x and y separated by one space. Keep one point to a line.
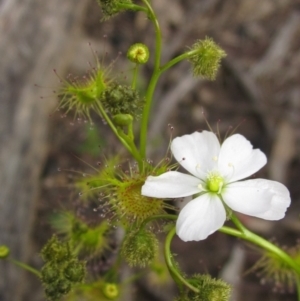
83 94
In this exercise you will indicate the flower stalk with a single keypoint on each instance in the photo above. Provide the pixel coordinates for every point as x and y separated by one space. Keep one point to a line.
247 235
178 278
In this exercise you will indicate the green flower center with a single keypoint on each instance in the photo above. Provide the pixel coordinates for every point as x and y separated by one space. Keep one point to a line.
214 182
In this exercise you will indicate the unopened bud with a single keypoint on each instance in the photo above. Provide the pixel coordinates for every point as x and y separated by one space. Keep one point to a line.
4 252
138 53
207 57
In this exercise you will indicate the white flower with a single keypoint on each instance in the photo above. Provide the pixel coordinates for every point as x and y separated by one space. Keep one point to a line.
215 171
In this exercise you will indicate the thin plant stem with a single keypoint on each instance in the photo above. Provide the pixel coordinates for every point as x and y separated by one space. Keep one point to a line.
247 235
172 269
135 74
177 60
128 144
130 6
153 80
25 267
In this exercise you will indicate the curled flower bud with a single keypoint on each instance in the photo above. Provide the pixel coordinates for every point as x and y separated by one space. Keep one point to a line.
120 99
207 57
4 252
112 7
209 289
110 290
139 248
138 53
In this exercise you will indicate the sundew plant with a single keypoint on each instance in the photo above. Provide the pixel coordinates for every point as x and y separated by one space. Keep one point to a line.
213 173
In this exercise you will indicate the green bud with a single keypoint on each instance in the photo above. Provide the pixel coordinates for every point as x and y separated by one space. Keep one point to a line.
110 290
64 286
4 252
55 250
119 99
207 57
52 293
50 273
139 248
138 53
112 7
209 289
75 271
122 119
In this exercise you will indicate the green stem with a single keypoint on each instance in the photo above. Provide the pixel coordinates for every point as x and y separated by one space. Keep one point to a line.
130 6
153 80
135 74
150 91
129 144
247 235
172 269
25 267
177 60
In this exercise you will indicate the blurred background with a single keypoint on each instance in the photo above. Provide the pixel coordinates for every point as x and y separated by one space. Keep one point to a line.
257 90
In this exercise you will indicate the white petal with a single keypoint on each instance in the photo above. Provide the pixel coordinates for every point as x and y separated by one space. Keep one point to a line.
171 184
197 152
260 198
200 217
238 159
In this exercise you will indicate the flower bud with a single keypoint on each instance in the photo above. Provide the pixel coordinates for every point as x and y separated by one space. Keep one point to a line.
139 248
110 290
75 271
122 119
112 7
55 250
50 273
64 286
207 57
121 99
138 53
4 252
